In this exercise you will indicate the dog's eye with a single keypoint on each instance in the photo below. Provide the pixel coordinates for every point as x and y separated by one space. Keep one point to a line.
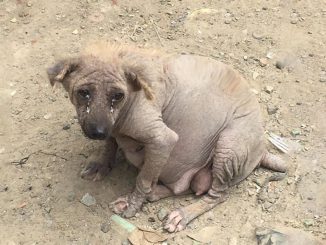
117 97
84 94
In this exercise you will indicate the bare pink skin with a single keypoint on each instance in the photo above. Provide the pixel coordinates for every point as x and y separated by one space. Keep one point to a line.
189 122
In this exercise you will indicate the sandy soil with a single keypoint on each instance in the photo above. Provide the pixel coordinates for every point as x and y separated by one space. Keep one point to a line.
40 162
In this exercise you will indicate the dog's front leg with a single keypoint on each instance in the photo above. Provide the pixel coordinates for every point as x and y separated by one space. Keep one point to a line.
159 141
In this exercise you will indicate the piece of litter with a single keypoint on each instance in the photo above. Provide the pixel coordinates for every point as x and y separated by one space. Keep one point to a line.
122 223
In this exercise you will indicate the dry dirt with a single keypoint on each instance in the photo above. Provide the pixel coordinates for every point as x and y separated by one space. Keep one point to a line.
40 187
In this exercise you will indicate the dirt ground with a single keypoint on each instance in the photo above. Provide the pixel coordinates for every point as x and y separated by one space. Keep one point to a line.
42 149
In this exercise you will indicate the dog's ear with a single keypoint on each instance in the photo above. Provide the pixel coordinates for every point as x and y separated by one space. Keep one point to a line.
137 83
61 70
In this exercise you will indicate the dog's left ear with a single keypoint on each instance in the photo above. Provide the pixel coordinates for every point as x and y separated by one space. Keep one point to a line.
137 83
61 70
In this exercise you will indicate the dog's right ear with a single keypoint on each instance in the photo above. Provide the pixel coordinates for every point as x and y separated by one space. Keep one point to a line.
61 70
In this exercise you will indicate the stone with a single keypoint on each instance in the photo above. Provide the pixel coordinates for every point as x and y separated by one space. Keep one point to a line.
295 132
75 32
251 192
151 219
268 89
263 62
47 116
308 222
255 75
71 196
257 35
280 64
272 110
322 77
105 227
162 214
66 126
13 20
88 200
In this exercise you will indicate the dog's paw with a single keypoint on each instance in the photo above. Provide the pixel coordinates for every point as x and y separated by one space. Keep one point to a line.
128 205
95 171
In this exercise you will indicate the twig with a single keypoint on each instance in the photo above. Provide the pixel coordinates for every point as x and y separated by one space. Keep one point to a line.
53 154
24 160
157 33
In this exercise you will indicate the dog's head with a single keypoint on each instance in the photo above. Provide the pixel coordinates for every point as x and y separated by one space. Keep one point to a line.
98 89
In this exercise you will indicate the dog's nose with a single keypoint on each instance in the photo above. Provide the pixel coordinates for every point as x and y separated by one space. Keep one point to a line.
99 132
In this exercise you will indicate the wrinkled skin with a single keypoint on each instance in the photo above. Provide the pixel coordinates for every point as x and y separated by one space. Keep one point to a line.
187 121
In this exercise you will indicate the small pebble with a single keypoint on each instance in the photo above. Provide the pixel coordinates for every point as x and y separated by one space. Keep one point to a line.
255 75
75 32
257 35
13 20
88 200
251 192
271 110
227 21
29 4
322 78
126 242
105 227
3 188
71 196
162 214
263 62
245 57
294 21
308 222
47 116
280 64
48 209
66 126
295 132
269 55
268 89
151 219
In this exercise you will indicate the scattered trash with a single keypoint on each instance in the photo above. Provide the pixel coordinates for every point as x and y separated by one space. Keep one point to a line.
88 200
144 236
278 142
122 223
